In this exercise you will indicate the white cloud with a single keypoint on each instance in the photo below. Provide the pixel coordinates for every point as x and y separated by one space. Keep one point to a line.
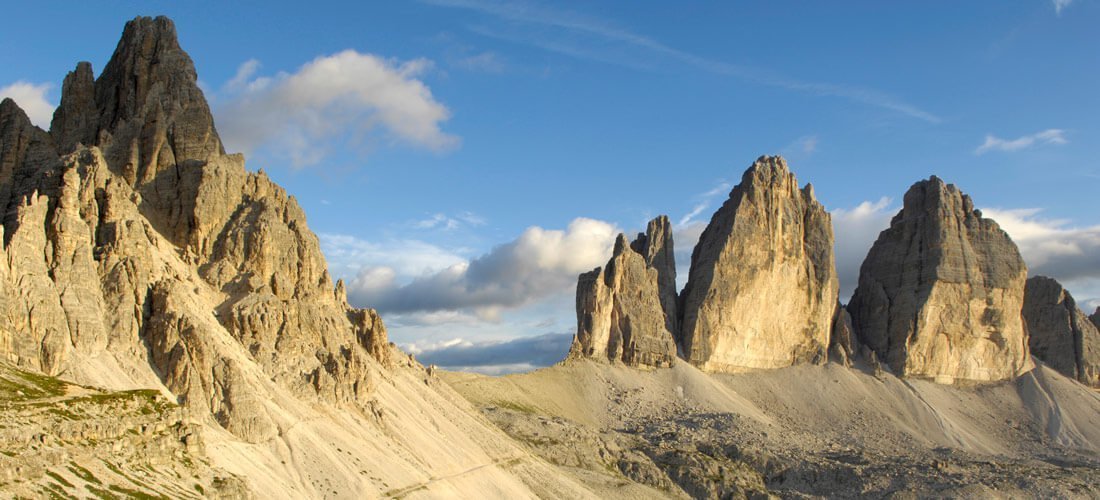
994 143
703 201
347 96
804 146
493 357
577 35
448 222
32 98
1060 5
488 62
855 230
1052 247
536 265
349 256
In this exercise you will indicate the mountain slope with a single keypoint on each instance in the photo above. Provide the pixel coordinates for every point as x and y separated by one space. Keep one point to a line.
138 255
803 430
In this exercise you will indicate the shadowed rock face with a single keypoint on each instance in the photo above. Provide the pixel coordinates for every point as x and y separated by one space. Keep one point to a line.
1059 333
762 291
626 311
941 292
132 241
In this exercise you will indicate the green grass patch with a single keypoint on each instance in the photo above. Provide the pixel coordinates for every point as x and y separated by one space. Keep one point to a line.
84 474
57 477
514 406
139 495
102 494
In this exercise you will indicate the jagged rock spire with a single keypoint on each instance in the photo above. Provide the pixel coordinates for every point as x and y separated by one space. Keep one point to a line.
762 290
626 311
941 292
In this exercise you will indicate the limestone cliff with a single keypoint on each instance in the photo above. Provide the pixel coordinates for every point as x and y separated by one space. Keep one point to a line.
941 292
1059 333
626 311
762 290
132 240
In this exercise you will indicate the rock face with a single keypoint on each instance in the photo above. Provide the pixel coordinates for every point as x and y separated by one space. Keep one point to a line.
843 345
626 311
941 292
1059 333
762 291
132 241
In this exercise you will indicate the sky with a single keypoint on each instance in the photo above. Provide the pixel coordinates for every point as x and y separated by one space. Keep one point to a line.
462 161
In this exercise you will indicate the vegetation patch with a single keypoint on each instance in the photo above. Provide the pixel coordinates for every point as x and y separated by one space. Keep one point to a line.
84 474
57 477
514 406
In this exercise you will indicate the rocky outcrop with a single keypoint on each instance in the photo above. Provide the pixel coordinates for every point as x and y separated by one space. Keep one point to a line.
132 241
1059 333
626 311
941 292
762 291
843 345
1095 317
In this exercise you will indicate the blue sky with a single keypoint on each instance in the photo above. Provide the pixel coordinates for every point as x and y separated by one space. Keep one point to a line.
463 160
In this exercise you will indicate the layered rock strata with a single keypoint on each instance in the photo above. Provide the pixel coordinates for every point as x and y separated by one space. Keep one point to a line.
626 311
762 290
133 241
941 292
1059 333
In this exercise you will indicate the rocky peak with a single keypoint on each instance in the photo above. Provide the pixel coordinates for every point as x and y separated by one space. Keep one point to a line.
140 254
762 290
75 120
1059 333
149 77
940 293
27 160
626 311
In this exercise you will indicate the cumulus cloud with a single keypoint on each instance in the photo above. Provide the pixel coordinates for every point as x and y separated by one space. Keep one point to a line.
32 98
994 143
493 357
1051 247
346 96
379 262
537 264
855 230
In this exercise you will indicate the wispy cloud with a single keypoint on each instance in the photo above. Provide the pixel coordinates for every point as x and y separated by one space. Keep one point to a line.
488 62
524 13
32 98
703 201
450 222
803 146
1060 5
994 143
345 96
